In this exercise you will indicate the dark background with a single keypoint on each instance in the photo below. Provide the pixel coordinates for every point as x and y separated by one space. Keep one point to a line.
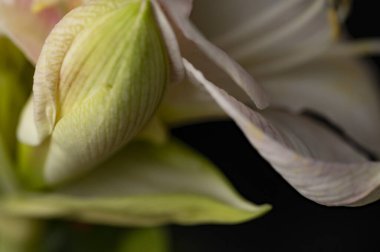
295 223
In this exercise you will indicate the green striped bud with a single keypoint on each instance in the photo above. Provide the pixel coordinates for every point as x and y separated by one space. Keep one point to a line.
100 77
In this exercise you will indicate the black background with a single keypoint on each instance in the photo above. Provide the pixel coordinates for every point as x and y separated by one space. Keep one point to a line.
295 223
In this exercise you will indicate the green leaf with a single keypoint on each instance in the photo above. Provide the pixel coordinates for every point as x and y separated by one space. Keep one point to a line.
7 179
144 185
15 83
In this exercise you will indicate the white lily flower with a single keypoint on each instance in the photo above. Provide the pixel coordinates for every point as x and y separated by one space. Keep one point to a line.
291 49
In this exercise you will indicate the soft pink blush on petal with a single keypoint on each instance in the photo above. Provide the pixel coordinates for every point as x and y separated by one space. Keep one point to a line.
27 29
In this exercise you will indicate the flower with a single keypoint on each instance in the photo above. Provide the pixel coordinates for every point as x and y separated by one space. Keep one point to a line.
124 169
291 49
131 172
89 101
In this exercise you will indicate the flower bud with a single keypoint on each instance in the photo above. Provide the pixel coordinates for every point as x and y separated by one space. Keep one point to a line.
100 77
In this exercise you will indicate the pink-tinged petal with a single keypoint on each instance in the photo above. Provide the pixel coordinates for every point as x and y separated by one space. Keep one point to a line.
197 48
318 163
27 29
341 89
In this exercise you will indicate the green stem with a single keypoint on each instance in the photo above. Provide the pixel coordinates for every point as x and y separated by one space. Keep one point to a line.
9 183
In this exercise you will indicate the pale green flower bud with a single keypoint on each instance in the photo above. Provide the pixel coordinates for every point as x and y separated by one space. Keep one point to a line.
100 77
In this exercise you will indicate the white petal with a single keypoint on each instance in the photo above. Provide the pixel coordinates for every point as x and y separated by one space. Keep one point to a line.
171 43
341 89
196 47
183 7
319 164
265 34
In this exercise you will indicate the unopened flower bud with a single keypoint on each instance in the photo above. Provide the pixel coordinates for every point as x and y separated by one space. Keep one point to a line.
100 77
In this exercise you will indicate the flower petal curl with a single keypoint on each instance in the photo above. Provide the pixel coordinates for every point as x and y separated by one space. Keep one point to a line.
316 162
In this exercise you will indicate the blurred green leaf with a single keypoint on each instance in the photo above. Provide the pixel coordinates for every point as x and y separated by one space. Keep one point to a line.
145 184
15 85
19 235
16 77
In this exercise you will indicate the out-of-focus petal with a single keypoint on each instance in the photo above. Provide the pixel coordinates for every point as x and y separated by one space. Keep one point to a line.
342 89
266 34
19 234
26 28
144 185
315 161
